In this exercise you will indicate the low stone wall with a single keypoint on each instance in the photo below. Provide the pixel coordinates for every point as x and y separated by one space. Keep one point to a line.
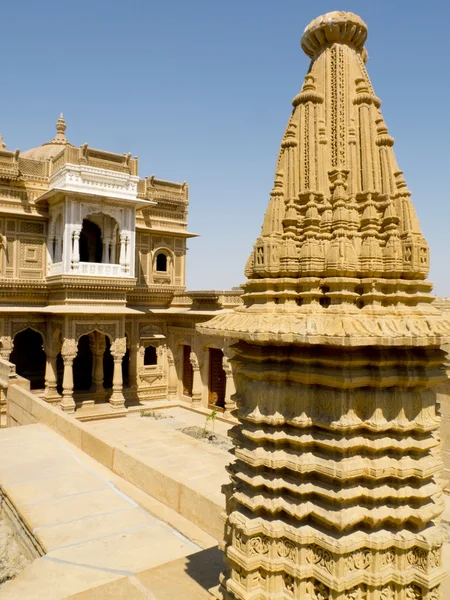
25 408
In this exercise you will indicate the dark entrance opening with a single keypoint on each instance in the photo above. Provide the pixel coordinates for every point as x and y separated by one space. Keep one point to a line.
150 356
161 262
108 365
29 357
188 372
91 248
82 365
217 378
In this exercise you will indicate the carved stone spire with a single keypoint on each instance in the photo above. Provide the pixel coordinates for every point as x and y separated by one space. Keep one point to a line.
2 143
335 490
60 137
345 133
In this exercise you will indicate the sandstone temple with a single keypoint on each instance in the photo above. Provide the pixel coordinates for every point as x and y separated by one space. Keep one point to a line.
327 369
92 268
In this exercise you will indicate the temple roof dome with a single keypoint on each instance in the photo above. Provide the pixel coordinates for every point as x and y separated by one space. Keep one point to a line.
52 148
334 27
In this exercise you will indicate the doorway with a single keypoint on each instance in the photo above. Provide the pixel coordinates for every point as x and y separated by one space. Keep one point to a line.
217 378
188 372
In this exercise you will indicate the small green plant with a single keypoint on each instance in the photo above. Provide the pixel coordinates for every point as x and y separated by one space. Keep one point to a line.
149 413
211 417
154 415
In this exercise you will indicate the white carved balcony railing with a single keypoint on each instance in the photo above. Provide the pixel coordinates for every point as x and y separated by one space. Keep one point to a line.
101 269
55 268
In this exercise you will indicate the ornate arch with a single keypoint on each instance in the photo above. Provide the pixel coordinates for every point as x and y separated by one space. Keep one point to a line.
38 327
92 209
87 329
170 259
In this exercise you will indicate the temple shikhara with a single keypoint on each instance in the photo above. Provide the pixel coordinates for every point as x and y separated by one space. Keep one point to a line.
336 487
328 370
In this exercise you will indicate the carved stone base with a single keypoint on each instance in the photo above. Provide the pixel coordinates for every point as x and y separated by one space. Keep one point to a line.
52 397
67 404
335 492
117 401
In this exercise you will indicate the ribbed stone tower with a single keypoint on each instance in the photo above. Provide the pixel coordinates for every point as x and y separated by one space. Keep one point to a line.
335 490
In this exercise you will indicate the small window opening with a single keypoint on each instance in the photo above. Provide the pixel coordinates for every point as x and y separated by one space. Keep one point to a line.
150 356
161 262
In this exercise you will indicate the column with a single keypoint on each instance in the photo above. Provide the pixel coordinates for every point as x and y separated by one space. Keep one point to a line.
106 243
51 378
132 367
51 249
172 376
196 380
230 389
112 255
6 347
59 241
127 254
68 352
76 250
122 257
118 349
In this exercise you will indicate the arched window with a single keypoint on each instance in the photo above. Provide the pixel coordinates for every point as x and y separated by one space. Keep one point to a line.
161 262
150 356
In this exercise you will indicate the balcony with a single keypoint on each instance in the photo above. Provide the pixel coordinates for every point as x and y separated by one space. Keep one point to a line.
101 270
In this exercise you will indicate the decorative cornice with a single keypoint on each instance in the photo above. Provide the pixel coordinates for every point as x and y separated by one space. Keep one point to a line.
93 180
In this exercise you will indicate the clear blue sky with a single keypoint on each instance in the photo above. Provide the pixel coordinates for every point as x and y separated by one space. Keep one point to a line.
201 91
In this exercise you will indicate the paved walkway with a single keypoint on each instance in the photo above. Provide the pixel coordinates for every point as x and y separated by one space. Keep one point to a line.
184 470
92 532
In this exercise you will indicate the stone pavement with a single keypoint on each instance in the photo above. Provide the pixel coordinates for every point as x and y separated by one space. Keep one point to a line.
184 473
92 532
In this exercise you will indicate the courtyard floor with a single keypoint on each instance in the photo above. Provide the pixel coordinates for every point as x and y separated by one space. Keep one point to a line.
99 530
149 532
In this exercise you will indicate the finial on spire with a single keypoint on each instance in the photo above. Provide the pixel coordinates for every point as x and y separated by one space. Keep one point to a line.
61 128
334 27
60 137
2 143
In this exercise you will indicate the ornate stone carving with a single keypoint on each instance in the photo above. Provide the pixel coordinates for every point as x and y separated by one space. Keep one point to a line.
69 349
286 549
417 557
319 556
361 559
259 545
119 347
337 355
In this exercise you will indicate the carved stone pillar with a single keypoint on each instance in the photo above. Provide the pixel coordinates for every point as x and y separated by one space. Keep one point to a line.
51 378
51 250
112 254
118 349
76 250
127 254
68 352
105 254
230 389
197 387
7 346
122 255
58 248
172 375
132 365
